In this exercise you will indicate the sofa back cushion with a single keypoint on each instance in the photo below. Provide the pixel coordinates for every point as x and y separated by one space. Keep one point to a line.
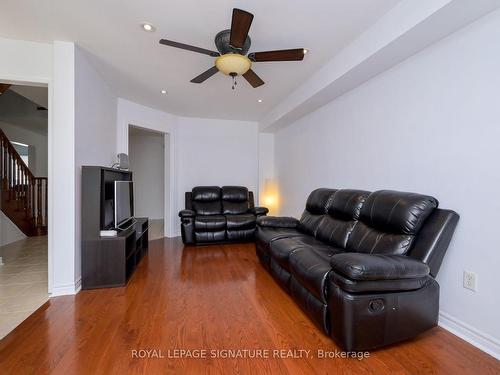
342 215
235 200
389 221
207 200
316 207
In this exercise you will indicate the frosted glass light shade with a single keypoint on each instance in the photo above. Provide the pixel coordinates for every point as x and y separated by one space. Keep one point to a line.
233 63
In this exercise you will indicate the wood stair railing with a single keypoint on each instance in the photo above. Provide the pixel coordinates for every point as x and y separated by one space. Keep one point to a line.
23 196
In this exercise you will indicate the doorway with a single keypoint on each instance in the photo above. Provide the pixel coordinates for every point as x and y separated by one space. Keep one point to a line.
147 158
23 202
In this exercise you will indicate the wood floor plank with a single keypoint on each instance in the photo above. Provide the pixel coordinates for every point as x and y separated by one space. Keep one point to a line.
205 298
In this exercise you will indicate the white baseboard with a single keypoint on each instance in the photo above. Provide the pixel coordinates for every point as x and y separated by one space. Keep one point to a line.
66 289
470 334
172 235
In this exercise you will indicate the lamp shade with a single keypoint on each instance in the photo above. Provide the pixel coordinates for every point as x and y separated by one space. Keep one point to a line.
233 63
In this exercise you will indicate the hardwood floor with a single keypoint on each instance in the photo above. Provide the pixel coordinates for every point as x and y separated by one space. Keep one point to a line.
211 298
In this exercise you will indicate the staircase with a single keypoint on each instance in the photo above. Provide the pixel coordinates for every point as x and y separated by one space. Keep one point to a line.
23 196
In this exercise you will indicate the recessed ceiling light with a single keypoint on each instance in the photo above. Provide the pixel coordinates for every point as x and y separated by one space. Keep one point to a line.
260 100
305 50
163 92
148 27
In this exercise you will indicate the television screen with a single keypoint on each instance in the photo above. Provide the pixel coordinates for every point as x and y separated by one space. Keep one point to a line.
124 202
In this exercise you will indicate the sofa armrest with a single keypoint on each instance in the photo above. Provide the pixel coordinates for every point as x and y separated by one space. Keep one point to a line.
184 214
372 267
259 211
277 222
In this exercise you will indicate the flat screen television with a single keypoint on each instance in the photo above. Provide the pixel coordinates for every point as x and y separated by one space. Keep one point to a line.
124 204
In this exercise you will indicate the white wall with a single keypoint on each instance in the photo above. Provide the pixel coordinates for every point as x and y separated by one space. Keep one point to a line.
147 159
428 125
39 160
61 178
200 152
26 62
216 152
95 132
9 232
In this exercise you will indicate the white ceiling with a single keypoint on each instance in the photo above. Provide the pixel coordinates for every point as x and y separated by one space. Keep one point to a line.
137 67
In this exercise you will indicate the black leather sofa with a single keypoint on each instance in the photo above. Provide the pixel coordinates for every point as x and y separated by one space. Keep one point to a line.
215 215
360 264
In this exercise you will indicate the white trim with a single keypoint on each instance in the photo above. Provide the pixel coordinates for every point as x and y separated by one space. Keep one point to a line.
50 190
130 113
175 233
479 339
66 289
168 158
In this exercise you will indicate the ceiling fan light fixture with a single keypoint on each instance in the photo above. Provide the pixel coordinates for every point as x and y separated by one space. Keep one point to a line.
233 63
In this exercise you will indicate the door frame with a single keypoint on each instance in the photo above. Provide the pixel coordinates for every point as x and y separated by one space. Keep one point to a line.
168 181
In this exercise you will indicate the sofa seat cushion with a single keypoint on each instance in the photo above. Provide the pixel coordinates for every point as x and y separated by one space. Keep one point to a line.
319 247
241 234
311 241
210 223
282 248
268 235
207 237
242 221
311 266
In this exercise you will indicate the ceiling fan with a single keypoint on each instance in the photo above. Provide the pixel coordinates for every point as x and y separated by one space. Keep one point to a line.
233 45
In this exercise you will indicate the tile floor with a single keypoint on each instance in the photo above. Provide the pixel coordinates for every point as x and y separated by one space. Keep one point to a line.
23 281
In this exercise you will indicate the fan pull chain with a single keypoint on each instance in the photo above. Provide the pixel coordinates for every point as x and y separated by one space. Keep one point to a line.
234 82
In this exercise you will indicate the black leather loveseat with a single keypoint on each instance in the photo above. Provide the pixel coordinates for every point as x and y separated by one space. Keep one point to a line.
215 215
361 264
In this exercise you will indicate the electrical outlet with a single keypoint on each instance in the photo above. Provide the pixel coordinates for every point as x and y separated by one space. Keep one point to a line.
470 280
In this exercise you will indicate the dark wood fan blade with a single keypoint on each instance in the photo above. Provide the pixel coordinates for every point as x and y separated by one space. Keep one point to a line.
188 47
253 78
240 25
205 75
280 55
4 87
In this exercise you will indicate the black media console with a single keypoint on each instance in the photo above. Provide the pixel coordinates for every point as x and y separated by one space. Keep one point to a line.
107 261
